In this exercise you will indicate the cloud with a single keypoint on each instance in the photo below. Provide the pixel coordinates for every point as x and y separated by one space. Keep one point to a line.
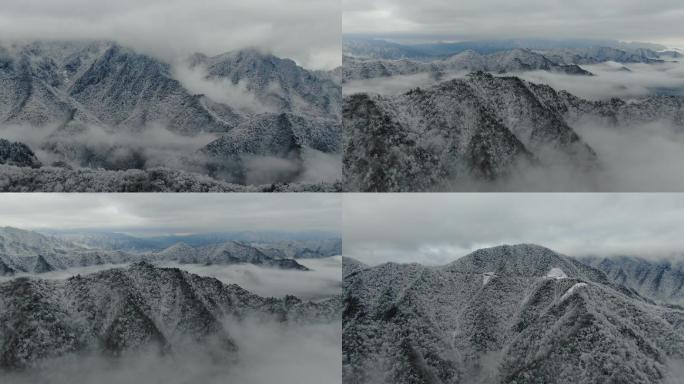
320 166
439 228
486 19
324 279
306 30
268 352
172 213
222 90
610 81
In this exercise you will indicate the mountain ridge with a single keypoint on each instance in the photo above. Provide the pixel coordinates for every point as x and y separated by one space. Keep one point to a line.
503 315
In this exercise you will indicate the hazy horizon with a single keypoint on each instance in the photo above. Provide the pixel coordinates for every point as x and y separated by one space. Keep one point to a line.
435 229
492 19
306 31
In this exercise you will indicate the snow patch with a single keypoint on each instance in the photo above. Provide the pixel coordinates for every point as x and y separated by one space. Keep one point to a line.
571 290
556 273
486 277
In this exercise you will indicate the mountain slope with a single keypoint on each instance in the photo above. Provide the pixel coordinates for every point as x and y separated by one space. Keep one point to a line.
660 280
278 83
481 127
303 249
506 314
65 179
99 105
99 83
31 252
141 307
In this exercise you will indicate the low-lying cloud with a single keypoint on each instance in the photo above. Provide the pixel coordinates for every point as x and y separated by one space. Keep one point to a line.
324 279
611 80
221 90
268 352
96 147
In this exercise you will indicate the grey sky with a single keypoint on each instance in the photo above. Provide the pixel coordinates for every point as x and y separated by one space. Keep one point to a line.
657 21
439 228
307 31
175 213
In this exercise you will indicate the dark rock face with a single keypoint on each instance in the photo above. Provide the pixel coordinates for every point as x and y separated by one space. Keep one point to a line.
17 154
506 314
122 310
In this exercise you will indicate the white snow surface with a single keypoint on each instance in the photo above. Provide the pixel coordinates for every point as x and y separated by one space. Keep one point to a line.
486 277
556 273
572 289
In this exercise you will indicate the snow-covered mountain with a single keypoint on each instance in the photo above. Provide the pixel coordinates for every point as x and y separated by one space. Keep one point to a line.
479 128
31 252
139 308
228 253
508 314
303 249
322 242
595 55
517 60
99 105
66 179
659 280
277 83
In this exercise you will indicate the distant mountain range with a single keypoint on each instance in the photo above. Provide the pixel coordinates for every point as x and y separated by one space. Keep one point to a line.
659 280
104 239
139 308
516 60
368 58
479 129
382 48
75 94
30 252
508 314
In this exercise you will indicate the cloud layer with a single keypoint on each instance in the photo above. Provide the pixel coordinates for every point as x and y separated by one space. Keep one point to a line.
486 19
174 213
439 228
306 30
324 279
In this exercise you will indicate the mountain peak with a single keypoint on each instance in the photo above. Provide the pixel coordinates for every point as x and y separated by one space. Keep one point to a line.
525 261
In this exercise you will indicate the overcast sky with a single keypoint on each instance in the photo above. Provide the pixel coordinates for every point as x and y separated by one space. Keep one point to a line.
173 213
307 31
438 228
658 21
